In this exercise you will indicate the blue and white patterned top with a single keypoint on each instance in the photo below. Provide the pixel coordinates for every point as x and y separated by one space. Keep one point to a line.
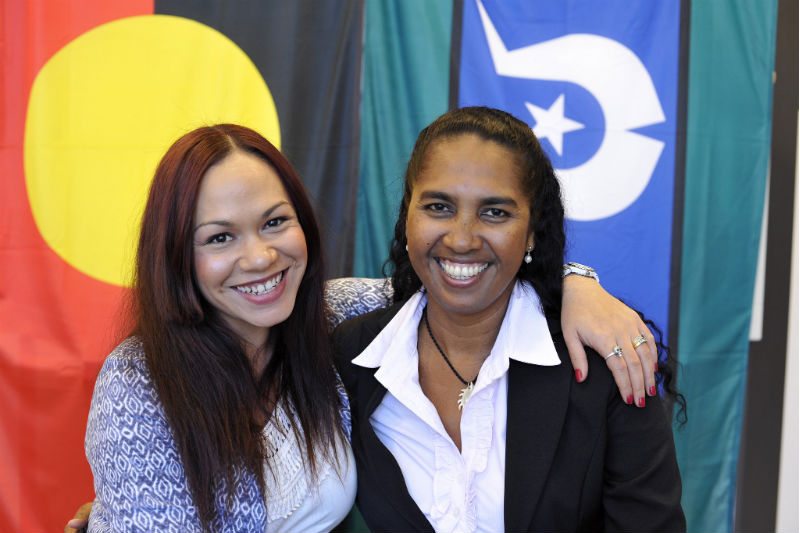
139 479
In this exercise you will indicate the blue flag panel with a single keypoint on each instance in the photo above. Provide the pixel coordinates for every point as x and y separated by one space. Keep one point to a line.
598 84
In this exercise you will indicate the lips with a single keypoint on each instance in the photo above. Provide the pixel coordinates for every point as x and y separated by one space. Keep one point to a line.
261 287
461 271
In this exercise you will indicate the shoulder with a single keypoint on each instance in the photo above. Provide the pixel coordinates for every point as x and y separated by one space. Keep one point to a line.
352 336
128 356
599 389
124 373
350 297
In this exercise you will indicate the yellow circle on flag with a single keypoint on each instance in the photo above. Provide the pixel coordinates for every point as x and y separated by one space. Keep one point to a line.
103 111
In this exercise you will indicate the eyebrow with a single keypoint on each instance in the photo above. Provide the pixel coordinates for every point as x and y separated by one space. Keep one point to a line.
490 200
226 224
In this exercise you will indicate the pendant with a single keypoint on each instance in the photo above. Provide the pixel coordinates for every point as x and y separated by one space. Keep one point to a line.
466 392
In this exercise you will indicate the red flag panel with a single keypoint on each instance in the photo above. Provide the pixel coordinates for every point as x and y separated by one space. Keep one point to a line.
56 324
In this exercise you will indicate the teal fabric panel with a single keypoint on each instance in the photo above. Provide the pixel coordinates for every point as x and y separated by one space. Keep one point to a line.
731 57
405 86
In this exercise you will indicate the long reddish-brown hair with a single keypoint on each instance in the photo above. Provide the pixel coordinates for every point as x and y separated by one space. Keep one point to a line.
198 365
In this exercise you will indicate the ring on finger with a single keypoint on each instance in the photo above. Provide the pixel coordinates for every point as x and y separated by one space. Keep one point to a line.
617 350
638 341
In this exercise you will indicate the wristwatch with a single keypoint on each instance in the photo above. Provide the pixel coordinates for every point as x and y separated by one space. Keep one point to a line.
581 270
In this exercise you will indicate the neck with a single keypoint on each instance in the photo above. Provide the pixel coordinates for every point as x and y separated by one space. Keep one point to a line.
259 355
466 338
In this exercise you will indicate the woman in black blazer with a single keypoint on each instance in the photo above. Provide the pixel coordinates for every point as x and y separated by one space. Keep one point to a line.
478 246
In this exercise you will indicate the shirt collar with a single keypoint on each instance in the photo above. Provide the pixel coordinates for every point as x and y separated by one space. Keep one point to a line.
524 335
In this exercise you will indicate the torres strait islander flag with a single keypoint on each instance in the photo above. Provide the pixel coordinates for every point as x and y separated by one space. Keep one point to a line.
93 94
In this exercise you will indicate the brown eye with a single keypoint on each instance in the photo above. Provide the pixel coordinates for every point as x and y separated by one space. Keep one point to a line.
275 222
437 207
219 238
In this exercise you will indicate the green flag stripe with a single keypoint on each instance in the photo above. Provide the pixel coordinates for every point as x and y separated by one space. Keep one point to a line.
731 56
405 86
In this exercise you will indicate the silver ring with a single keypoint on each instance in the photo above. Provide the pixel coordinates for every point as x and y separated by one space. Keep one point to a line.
638 341
617 350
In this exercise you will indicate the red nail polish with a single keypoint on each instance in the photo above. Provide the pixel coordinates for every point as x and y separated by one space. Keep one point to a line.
629 399
652 390
641 401
578 375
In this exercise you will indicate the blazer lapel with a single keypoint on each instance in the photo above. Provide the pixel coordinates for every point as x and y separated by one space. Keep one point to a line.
379 461
537 404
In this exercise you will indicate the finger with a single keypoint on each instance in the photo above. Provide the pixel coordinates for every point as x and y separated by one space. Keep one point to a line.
651 345
76 525
634 366
80 520
647 368
84 511
578 357
649 354
619 370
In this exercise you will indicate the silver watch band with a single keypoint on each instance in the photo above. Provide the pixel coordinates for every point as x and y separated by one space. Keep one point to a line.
580 270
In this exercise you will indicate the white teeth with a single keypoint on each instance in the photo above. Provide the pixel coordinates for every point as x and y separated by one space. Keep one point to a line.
462 271
261 288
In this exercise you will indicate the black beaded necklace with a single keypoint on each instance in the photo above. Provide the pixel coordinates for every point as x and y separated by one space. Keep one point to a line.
466 392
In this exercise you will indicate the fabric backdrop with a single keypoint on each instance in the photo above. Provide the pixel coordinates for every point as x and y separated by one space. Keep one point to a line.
92 93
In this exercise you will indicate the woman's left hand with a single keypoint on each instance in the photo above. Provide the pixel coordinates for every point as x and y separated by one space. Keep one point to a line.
591 316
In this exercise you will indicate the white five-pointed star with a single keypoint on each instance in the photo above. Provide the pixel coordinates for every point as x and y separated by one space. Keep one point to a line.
552 124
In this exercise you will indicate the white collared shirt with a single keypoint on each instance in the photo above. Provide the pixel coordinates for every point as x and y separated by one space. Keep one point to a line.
457 491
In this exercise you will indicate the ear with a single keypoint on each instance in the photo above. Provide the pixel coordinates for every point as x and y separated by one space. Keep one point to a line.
531 243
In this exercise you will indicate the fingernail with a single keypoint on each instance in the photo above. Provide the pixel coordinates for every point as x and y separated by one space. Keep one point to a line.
652 390
629 399
578 375
641 401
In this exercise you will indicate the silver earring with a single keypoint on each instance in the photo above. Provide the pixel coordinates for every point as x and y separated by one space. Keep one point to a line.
406 247
528 257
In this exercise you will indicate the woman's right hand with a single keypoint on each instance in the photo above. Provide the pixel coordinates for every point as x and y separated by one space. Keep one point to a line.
80 520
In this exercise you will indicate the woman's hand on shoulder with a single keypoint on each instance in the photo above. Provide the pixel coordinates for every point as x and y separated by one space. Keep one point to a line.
590 316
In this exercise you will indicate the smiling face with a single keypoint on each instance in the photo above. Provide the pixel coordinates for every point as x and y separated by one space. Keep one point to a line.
249 247
468 224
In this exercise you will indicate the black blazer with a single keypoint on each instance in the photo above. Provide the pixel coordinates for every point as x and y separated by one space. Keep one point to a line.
577 457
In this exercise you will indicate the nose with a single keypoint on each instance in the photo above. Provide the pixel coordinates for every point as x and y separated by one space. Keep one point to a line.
462 235
258 254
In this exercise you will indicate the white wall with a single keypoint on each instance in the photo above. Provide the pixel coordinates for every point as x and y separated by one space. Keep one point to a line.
787 520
